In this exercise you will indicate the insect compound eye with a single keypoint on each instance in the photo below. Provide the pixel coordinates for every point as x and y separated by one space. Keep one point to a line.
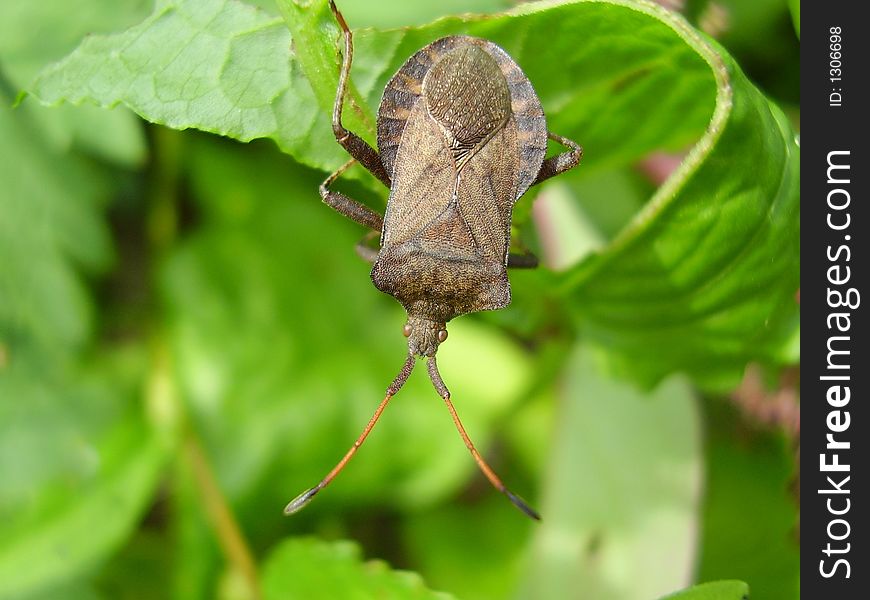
442 335
406 330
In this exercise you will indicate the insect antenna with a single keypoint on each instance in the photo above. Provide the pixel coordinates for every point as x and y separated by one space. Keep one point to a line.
442 390
300 501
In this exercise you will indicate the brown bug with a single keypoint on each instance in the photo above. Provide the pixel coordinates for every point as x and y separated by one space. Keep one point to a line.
462 136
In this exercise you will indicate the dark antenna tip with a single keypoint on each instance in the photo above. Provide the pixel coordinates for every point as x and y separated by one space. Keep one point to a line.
301 501
521 504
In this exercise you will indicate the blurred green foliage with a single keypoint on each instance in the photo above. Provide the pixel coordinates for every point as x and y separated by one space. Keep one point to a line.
187 338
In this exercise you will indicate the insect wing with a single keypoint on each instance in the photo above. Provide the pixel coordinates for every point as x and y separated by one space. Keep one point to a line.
487 192
423 178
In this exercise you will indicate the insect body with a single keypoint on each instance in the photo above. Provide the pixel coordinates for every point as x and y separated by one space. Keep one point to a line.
462 136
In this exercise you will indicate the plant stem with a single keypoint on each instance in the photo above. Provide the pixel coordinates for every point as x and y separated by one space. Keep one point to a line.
229 535
163 397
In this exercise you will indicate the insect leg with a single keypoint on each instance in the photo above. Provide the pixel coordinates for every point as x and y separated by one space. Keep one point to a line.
364 248
561 162
355 145
526 260
350 208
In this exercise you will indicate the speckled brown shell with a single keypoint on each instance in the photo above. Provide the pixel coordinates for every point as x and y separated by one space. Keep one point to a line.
462 135
406 86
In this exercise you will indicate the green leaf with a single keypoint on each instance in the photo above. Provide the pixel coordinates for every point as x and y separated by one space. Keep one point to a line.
621 494
77 465
61 24
578 95
186 66
394 13
50 229
795 8
308 568
714 590
218 65
52 199
703 280
77 460
758 546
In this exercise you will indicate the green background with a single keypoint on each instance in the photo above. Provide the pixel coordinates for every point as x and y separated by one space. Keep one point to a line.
188 340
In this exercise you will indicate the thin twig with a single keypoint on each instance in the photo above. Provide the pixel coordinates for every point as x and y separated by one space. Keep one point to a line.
162 231
229 535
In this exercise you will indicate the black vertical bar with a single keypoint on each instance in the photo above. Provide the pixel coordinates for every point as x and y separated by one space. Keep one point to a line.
834 264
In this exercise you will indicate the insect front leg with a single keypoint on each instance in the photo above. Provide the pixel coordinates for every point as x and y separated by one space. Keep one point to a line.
355 145
561 162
